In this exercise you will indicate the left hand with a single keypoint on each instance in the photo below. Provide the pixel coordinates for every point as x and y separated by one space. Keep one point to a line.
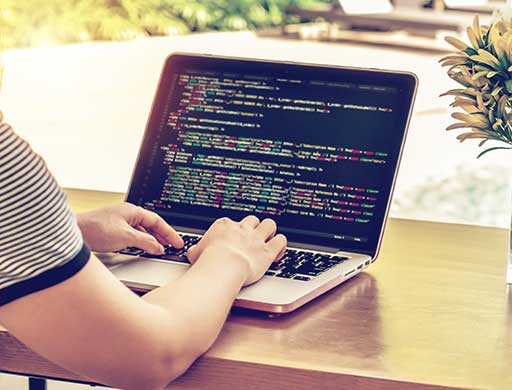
123 225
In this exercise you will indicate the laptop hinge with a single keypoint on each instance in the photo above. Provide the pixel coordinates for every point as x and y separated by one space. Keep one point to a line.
298 245
318 248
181 229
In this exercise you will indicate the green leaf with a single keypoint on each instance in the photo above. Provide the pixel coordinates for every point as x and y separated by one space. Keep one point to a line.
457 43
459 125
508 85
470 51
477 75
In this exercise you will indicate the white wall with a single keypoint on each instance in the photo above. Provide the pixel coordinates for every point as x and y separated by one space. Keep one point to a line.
84 108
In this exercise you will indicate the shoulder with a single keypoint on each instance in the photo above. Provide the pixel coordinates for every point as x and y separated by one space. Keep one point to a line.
40 242
9 140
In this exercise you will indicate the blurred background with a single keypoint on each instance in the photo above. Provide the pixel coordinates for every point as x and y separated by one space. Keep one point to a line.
79 78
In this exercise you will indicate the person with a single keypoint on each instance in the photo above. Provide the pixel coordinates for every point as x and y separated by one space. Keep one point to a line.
61 301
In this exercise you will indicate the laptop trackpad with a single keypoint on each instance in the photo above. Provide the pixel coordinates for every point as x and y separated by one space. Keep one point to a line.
149 272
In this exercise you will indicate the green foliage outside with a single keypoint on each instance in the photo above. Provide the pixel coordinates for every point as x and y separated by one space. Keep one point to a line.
26 23
469 194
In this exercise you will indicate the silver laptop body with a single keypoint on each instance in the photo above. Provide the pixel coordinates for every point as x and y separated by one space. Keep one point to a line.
202 100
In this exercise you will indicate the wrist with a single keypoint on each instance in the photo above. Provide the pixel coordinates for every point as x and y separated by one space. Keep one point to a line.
81 220
84 224
225 258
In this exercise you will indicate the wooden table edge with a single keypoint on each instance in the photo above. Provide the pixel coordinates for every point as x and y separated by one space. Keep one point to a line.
217 373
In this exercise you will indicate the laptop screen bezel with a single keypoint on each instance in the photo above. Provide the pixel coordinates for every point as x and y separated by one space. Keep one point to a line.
405 82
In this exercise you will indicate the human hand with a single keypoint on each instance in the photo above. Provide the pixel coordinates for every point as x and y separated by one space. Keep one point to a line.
249 241
123 225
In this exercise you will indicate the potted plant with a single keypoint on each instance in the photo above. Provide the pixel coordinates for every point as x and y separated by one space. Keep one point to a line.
484 70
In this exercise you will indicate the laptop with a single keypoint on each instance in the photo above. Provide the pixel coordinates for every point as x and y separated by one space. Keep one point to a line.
314 147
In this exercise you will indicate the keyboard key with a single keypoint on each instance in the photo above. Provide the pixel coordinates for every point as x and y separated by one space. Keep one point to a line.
294 266
286 275
150 256
303 278
174 251
190 240
171 257
287 257
276 266
270 273
308 269
132 251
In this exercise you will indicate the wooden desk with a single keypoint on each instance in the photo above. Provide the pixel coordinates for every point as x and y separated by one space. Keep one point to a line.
433 313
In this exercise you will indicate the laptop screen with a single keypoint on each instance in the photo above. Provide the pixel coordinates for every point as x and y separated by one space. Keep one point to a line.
315 148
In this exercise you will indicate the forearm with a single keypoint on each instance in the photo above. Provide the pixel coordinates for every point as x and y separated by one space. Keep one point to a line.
133 343
124 341
85 225
202 298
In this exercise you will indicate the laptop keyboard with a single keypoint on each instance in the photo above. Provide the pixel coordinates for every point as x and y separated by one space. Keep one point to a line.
295 264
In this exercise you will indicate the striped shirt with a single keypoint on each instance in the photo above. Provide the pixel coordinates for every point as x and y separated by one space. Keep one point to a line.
40 242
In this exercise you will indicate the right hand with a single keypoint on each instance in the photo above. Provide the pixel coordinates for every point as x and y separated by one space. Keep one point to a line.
249 241
119 226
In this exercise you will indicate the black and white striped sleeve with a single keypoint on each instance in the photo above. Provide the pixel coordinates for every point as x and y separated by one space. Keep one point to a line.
40 242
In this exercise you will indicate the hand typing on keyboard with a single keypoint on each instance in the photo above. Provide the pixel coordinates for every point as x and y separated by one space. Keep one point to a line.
125 225
251 243
289 264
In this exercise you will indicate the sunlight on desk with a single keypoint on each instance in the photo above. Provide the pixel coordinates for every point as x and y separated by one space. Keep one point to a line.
433 312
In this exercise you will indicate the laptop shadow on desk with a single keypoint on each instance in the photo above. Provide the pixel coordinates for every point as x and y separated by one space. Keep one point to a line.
361 288
346 321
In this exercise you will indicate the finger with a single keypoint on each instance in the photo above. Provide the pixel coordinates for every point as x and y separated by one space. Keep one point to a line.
156 225
250 221
159 238
281 254
146 242
276 245
267 229
192 253
222 221
195 250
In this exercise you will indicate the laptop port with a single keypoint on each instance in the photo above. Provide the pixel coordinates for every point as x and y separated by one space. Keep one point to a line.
350 272
360 267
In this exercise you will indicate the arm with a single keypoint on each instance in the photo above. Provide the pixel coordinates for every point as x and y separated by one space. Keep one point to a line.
134 343
61 301
110 335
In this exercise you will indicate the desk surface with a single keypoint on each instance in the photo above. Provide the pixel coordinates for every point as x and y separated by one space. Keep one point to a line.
433 312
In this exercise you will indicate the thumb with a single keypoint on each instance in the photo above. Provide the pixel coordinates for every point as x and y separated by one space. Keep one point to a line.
193 253
146 242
